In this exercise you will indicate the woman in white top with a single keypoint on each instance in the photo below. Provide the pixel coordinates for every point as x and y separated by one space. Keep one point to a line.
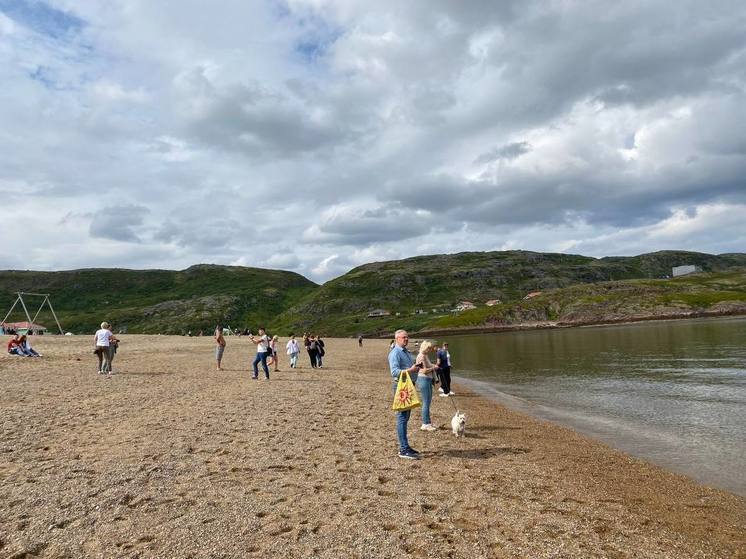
273 353
424 383
102 342
293 350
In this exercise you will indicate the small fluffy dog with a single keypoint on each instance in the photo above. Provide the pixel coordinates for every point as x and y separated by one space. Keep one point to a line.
458 424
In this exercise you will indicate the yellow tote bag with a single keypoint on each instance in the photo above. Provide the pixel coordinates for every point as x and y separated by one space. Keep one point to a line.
405 397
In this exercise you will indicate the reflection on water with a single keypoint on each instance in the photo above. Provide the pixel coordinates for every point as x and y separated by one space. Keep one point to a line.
673 392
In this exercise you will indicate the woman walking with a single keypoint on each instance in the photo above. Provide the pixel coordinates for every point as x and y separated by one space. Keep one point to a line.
273 353
219 346
293 351
101 340
312 350
425 383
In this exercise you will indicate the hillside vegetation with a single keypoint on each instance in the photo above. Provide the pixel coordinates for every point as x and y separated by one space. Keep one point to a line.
422 290
157 301
435 285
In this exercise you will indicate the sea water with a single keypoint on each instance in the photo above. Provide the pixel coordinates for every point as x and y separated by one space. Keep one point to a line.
673 392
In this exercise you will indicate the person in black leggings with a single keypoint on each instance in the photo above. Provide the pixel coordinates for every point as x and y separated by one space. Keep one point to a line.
444 370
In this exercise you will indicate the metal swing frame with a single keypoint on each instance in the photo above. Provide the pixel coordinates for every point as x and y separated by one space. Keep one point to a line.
31 321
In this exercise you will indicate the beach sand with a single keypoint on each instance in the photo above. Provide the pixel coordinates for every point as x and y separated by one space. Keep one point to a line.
170 458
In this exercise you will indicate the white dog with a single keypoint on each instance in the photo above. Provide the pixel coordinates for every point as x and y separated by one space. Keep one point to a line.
458 424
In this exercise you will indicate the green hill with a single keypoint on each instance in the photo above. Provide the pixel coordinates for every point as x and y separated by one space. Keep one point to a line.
152 301
714 293
435 284
422 290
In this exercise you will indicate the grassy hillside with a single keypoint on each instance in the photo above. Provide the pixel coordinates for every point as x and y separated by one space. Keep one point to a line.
693 295
151 301
438 283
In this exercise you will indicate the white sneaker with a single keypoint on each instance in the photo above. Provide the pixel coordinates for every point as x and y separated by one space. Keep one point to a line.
428 427
451 393
440 390
444 395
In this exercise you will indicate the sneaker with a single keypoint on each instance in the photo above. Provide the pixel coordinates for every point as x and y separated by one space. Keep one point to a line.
428 427
409 454
266 378
417 452
451 393
443 395
254 378
440 390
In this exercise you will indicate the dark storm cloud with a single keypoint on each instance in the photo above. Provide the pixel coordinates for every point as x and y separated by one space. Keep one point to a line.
118 223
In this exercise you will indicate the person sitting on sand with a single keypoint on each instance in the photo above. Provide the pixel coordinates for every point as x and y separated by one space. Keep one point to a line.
219 345
14 347
262 348
25 345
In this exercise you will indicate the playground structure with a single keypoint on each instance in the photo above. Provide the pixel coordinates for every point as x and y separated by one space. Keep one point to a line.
31 321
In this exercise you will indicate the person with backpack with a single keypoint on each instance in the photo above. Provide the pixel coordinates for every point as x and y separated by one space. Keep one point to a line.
313 350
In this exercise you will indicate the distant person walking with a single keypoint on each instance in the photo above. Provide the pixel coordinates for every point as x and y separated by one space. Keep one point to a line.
401 360
262 349
219 346
113 347
424 383
320 351
360 341
293 350
102 341
444 370
273 353
312 348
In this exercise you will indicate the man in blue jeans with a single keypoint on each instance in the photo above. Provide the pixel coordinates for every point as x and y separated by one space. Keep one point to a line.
262 346
401 360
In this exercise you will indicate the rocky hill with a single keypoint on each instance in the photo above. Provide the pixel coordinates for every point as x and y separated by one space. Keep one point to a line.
158 301
422 290
432 285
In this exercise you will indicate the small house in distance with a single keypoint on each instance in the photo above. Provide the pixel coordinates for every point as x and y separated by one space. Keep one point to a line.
376 313
684 270
532 295
465 306
493 302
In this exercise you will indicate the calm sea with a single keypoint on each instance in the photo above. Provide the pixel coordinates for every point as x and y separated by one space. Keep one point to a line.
673 392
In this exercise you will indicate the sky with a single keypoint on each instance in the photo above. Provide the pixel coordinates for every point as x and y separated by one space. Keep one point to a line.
319 135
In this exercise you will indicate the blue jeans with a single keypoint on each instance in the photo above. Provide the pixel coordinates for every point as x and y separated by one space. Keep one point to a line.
293 359
260 356
425 388
402 418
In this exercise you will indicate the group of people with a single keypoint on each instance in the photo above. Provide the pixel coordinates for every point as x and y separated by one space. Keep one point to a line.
20 345
425 375
267 353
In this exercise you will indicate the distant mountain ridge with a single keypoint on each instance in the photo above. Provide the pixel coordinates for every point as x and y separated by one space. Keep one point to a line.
165 301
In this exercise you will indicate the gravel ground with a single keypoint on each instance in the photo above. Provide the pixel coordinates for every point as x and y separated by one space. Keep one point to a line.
170 458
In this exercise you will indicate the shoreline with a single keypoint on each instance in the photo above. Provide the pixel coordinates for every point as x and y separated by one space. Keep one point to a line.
552 325
172 458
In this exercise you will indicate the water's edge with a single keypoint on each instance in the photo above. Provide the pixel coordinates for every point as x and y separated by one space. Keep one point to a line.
604 430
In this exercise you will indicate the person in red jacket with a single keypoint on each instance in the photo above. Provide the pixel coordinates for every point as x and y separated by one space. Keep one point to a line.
14 347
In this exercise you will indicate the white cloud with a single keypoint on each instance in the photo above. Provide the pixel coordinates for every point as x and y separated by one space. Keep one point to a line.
346 132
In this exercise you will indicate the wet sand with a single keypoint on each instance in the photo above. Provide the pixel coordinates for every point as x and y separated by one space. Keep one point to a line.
170 458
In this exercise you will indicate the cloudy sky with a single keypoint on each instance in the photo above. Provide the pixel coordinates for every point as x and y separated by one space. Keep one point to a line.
317 135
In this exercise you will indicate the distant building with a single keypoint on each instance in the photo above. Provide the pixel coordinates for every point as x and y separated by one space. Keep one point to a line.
465 306
684 270
376 313
23 328
532 295
493 302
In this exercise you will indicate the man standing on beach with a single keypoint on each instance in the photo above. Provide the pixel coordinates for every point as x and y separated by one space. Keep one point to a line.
401 360
220 345
444 370
262 347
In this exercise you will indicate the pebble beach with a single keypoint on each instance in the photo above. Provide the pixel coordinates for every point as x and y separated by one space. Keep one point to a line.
170 458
